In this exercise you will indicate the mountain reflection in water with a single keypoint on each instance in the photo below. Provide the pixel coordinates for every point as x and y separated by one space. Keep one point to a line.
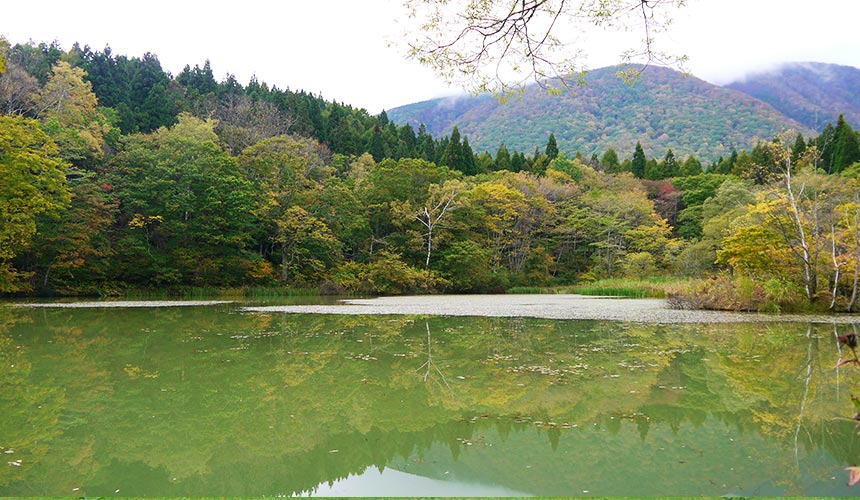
394 483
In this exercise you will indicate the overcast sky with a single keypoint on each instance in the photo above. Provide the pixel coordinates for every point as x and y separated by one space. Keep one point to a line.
342 49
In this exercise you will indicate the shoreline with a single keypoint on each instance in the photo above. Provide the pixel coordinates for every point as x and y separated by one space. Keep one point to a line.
562 307
92 304
550 306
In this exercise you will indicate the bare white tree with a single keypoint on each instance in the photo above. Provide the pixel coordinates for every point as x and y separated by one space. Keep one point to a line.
442 200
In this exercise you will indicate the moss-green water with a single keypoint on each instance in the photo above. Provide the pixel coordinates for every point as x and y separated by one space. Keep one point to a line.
213 401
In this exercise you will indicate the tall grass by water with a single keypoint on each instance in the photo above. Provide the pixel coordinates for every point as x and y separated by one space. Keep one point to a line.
613 287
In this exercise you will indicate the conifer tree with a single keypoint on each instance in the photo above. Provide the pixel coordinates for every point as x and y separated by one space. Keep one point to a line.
638 163
826 143
469 165
551 150
670 166
653 170
798 148
453 156
376 148
425 144
503 158
691 166
725 166
520 162
383 119
846 148
407 142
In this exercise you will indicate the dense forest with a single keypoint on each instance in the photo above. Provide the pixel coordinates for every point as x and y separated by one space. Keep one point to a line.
118 175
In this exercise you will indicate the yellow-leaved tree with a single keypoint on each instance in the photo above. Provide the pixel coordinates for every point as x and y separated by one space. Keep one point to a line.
67 107
33 183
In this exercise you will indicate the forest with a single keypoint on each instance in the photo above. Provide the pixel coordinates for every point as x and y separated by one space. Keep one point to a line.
119 176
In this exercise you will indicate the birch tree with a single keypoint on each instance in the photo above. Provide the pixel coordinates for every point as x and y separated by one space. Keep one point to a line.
441 201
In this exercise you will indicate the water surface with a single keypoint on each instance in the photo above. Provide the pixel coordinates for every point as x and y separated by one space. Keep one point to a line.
217 400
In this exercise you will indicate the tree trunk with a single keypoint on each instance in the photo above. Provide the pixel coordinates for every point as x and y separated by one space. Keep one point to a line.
836 266
855 231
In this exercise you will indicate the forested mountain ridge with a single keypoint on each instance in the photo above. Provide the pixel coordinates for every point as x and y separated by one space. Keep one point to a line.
663 110
814 94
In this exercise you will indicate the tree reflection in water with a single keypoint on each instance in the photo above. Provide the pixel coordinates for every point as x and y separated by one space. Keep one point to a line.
211 401
429 366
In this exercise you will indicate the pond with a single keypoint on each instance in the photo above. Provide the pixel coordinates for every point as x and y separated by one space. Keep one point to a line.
217 399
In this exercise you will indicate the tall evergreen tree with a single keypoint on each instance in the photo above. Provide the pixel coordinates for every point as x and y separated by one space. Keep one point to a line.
383 119
826 143
670 165
846 147
198 81
503 158
37 60
407 142
638 163
470 167
653 170
376 147
149 84
691 166
725 166
453 156
518 162
798 148
426 147
551 150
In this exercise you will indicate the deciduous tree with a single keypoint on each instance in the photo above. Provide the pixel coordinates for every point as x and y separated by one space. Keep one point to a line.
67 107
17 89
308 247
441 201
33 183
186 205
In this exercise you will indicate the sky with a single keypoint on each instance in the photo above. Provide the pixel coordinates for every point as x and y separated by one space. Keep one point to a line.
347 50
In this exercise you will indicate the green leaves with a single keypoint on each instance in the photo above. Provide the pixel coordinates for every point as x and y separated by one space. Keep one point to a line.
34 184
206 206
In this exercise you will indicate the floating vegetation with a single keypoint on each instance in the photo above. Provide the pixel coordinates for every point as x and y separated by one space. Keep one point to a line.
136 371
631 367
557 373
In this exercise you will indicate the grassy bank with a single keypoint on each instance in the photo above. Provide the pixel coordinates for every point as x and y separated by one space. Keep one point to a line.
658 287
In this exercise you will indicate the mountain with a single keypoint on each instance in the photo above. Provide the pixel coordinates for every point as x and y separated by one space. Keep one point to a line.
814 94
663 109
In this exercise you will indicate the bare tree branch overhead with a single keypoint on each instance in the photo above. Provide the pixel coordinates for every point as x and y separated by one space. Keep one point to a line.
500 46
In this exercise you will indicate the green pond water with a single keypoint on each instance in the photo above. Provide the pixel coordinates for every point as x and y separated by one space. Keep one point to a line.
212 400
